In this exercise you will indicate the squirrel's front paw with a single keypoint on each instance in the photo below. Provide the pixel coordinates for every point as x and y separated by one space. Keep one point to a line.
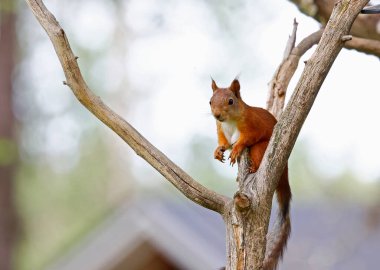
219 153
235 153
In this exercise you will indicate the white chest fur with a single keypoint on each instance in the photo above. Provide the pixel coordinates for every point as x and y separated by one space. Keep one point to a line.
230 132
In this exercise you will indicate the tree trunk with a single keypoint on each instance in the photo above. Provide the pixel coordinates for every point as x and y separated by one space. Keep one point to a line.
246 237
247 219
7 145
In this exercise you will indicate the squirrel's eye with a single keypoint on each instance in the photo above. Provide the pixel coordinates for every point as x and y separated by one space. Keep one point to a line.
230 101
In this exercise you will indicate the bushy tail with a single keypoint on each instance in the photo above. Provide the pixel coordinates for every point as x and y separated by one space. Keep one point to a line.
277 239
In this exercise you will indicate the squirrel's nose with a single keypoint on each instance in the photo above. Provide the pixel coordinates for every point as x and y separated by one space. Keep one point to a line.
217 116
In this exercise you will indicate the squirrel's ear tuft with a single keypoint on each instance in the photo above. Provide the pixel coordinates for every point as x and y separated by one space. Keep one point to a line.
213 85
235 87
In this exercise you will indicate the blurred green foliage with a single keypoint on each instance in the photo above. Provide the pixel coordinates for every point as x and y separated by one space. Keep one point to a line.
57 208
8 152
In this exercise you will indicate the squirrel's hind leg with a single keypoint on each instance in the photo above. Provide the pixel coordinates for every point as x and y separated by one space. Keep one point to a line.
256 153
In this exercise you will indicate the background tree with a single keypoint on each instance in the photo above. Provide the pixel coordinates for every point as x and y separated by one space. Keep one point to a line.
55 190
8 152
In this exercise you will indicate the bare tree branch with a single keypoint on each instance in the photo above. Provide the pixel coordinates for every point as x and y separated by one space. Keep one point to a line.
292 119
291 41
364 45
182 181
285 71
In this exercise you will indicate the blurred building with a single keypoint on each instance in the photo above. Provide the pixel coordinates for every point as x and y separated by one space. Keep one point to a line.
162 234
152 234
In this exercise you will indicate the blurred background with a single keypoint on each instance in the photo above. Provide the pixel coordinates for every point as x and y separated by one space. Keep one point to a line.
74 196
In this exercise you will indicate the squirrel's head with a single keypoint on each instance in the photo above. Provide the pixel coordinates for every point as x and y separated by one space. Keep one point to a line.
225 101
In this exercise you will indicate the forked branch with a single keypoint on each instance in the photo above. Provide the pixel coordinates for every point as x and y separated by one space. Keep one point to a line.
182 181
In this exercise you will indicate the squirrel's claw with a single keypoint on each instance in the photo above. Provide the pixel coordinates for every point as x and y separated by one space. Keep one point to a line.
235 153
232 159
232 162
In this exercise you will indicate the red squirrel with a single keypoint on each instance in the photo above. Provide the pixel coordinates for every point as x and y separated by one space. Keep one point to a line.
241 126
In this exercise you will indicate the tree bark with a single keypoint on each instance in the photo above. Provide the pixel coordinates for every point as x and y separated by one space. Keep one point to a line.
7 144
247 215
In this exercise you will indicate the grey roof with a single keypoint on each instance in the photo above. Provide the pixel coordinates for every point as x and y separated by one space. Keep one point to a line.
190 236
331 236
325 236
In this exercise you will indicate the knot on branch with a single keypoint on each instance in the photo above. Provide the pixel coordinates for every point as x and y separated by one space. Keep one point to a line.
242 201
280 92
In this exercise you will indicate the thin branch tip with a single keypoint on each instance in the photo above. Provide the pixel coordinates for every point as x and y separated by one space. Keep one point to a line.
346 38
291 41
